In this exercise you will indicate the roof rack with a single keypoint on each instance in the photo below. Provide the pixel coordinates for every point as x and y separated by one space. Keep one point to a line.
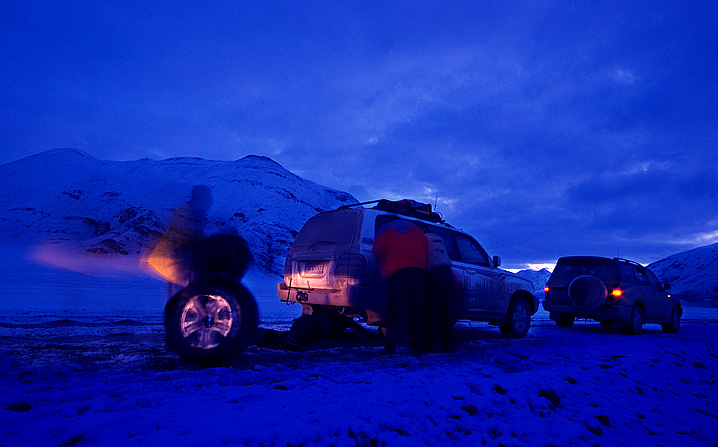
629 261
406 207
352 205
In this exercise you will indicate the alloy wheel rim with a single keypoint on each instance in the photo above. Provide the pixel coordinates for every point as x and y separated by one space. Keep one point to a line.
520 317
206 320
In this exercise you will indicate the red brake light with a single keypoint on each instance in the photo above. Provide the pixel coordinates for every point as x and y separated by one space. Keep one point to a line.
617 292
545 289
351 266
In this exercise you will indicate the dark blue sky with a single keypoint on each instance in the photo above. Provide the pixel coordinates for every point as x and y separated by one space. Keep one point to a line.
544 128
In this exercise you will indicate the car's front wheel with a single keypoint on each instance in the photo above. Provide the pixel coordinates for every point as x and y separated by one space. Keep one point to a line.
210 322
518 319
635 322
674 324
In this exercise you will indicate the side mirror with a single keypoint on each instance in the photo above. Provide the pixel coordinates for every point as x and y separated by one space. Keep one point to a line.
666 286
497 261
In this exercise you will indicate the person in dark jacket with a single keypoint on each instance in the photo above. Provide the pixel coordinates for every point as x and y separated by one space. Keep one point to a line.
401 249
438 313
172 255
225 254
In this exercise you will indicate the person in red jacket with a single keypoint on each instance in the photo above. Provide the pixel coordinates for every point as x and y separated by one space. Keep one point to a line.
401 249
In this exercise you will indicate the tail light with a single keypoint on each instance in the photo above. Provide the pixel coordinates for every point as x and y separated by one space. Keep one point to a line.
615 297
351 265
545 289
288 268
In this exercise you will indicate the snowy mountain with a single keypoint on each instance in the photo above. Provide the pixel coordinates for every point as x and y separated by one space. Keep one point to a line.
692 274
538 278
119 207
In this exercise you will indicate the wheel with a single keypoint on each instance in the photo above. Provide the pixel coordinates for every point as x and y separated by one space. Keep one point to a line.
518 319
565 320
635 321
210 322
313 309
674 325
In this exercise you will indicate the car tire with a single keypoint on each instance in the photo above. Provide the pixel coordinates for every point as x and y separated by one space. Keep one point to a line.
313 309
634 325
518 319
565 320
674 324
210 321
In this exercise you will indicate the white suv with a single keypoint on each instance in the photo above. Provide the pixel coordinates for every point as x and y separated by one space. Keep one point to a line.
330 266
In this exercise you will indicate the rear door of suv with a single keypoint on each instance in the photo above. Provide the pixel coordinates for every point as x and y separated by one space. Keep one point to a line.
316 256
631 288
636 286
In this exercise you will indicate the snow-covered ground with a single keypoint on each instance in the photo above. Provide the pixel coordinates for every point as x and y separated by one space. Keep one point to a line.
82 361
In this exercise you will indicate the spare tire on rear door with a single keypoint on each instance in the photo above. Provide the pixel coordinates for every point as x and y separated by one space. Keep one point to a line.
587 292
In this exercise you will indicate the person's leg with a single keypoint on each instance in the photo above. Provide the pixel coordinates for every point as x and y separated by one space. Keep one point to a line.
447 308
414 290
392 316
432 303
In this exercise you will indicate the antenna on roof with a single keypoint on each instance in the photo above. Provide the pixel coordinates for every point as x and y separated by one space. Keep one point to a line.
436 201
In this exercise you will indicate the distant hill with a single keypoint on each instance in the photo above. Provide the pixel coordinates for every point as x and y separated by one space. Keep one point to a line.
119 207
692 274
65 196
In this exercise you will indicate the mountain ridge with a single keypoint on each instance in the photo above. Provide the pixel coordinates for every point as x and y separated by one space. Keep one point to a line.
66 196
692 274
121 207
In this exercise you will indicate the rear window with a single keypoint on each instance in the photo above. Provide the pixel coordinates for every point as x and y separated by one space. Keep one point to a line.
641 275
655 283
330 228
385 219
626 272
569 268
445 234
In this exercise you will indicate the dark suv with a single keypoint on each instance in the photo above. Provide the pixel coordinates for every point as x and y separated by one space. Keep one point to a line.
612 291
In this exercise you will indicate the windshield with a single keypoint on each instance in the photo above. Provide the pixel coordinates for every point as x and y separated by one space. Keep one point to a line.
569 268
330 228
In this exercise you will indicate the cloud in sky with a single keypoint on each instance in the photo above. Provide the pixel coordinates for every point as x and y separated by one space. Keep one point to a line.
544 129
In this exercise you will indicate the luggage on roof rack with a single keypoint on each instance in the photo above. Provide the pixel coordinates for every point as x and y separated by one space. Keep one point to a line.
406 207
